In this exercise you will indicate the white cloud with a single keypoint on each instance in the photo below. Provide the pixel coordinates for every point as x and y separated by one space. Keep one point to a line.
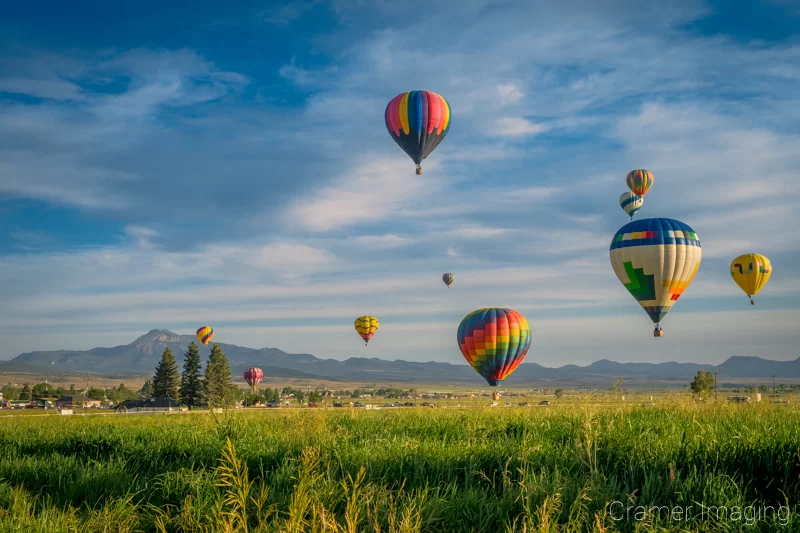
374 190
390 240
517 127
508 93
142 236
56 89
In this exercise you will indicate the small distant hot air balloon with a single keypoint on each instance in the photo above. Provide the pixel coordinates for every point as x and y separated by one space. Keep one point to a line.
494 341
366 326
253 377
751 272
639 181
630 203
655 259
205 334
448 279
418 121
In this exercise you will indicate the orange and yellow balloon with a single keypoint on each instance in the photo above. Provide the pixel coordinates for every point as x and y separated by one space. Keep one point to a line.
205 334
751 272
366 326
639 181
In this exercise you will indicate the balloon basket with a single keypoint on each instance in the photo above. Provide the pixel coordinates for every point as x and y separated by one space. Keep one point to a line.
658 333
419 171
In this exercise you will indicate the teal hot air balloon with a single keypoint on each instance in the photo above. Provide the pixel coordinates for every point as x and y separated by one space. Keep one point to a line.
494 341
448 279
630 203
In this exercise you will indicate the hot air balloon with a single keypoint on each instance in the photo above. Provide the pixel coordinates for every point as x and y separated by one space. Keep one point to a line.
639 181
448 279
366 326
205 334
630 203
494 341
655 259
418 121
253 377
751 272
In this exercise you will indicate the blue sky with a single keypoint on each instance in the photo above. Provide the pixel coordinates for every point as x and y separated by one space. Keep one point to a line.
164 166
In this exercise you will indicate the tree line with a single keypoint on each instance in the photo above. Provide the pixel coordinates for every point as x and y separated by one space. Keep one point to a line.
47 390
212 388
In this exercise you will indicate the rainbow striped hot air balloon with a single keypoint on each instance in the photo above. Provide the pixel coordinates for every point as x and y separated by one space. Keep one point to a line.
639 181
448 279
366 326
494 341
630 203
655 259
751 272
205 334
418 121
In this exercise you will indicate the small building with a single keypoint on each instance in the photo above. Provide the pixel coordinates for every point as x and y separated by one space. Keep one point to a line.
67 402
150 405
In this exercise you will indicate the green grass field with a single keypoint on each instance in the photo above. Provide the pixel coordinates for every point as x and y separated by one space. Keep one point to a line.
575 467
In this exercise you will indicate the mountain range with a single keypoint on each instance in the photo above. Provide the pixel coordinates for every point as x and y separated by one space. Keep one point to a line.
142 355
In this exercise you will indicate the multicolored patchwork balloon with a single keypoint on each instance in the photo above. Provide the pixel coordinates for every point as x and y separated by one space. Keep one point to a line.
494 341
205 334
366 326
655 259
639 181
418 121
630 203
448 279
751 272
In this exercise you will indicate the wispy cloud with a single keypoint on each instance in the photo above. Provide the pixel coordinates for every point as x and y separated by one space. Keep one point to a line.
517 127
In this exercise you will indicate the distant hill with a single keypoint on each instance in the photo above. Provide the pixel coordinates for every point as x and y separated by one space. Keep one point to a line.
142 355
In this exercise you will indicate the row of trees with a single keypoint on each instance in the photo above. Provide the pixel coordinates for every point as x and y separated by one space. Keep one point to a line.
213 388
47 390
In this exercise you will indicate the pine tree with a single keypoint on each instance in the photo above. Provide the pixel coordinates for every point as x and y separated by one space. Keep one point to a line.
147 389
25 394
191 381
217 384
166 381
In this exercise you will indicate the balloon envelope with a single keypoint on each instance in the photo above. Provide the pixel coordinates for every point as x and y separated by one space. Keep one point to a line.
205 334
448 279
630 203
418 121
655 259
253 376
494 341
751 272
639 181
366 326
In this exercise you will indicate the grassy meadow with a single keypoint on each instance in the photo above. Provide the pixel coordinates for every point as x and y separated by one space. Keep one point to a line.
568 468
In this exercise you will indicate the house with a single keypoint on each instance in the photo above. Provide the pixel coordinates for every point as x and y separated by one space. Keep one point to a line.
67 402
150 405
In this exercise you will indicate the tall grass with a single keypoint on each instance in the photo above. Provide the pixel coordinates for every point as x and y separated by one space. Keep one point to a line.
485 470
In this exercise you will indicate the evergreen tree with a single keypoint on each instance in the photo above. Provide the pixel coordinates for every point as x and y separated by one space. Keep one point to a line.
147 389
191 381
25 394
167 381
217 384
